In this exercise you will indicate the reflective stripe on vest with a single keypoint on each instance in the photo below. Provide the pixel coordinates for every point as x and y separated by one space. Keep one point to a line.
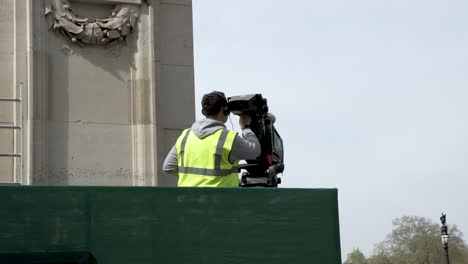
219 150
207 172
182 150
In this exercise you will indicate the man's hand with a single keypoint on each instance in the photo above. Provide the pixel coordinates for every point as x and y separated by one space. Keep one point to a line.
244 120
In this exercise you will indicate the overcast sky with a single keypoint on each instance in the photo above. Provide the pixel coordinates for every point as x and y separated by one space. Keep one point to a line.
370 98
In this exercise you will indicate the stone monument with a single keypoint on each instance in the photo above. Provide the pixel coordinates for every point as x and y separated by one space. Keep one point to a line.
101 89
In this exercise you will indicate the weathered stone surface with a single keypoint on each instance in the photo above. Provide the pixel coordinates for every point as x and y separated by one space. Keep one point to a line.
6 45
177 2
89 154
6 76
6 18
112 1
6 163
98 112
176 99
171 136
93 85
6 87
176 38
7 113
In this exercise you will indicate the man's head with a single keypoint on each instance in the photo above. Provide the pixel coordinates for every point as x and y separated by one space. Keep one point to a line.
215 105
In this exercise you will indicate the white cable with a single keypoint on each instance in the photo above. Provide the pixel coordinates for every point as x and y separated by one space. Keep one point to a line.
232 125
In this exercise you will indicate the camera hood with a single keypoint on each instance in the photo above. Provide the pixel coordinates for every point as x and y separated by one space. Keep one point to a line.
247 104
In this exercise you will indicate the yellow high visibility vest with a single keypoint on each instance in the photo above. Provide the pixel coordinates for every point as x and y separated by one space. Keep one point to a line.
204 162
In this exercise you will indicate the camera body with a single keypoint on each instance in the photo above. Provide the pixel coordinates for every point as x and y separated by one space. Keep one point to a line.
264 170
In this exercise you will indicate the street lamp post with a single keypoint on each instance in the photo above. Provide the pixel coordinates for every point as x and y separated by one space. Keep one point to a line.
444 235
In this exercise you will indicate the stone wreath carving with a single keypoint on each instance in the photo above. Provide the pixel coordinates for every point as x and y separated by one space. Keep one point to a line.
107 31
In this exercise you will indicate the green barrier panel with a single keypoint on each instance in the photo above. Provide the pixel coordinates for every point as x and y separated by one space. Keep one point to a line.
132 225
48 258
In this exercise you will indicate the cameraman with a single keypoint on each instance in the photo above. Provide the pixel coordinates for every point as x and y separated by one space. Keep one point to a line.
207 154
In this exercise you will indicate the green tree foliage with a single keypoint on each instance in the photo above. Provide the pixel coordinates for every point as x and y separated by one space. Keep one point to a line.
356 257
416 240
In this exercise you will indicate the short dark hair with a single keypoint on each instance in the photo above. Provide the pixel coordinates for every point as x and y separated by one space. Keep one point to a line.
213 102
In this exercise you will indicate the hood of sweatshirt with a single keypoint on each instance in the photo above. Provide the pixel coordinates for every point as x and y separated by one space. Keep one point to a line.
206 127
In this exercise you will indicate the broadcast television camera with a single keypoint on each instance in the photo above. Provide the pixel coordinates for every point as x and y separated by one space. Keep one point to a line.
264 170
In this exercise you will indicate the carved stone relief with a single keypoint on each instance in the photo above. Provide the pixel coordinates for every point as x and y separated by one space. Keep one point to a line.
80 30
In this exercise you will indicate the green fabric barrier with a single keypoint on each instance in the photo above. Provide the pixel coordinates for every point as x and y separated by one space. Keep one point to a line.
131 225
48 258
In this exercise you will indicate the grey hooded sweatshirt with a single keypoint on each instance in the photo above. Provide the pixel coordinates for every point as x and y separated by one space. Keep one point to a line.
246 148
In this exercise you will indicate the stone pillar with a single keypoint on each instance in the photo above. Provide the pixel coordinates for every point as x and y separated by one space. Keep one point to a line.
13 70
7 40
98 115
175 108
